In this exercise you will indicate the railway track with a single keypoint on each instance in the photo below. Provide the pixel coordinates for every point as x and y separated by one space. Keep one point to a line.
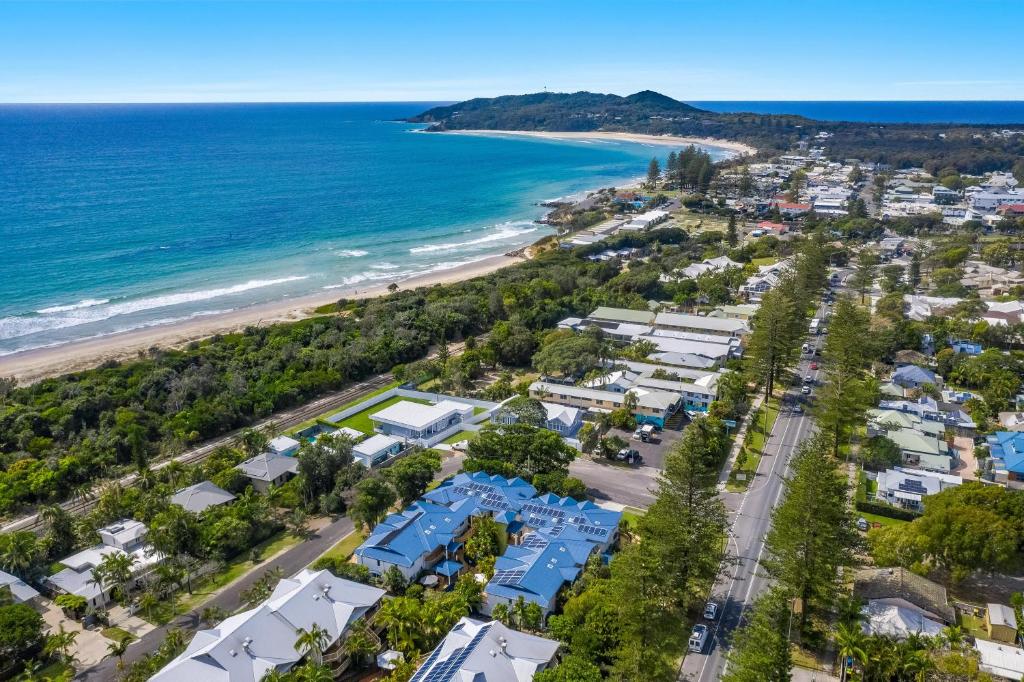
281 421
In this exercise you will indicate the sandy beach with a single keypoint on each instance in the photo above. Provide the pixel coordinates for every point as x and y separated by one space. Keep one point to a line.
668 140
32 365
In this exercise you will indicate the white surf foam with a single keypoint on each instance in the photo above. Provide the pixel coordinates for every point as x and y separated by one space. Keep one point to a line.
502 232
351 253
15 326
84 303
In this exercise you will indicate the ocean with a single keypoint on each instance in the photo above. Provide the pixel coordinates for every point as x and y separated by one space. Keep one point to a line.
118 217
993 112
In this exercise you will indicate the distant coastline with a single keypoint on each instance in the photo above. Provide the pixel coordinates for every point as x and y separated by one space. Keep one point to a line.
638 138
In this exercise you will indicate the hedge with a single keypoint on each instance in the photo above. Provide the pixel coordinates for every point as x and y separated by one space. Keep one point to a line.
886 510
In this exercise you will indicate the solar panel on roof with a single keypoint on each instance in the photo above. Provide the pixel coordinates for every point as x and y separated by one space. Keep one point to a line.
912 485
534 541
508 577
445 670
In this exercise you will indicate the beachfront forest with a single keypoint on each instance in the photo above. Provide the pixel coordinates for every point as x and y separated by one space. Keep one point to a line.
965 148
61 435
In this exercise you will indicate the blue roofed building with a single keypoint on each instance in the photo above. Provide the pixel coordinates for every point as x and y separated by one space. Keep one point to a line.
501 497
966 347
537 569
552 513
423 536
1006 458
912 376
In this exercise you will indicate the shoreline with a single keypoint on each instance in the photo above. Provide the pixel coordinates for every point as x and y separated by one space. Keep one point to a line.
667 140
30 366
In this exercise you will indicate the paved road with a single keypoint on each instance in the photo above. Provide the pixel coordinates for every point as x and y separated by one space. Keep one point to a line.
290 562
741 582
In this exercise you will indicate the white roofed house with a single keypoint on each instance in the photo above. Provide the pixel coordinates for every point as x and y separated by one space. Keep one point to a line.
699 324
562 419
247 646
907 487
21 592
376 449
652 406
477 651
283 445
123 537
421 424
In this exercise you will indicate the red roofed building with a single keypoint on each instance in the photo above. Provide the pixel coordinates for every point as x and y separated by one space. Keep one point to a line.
775 227
788 208
1010 210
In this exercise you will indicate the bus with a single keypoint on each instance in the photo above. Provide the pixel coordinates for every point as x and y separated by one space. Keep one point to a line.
815 326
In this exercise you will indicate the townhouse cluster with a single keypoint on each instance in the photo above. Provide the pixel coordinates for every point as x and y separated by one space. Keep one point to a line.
549 538
989 199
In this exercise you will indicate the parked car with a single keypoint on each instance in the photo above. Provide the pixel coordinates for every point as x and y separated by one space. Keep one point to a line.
710 610
808 380
698 637
814 365
638 434
806 390
862 524
646 432
629 455
798 408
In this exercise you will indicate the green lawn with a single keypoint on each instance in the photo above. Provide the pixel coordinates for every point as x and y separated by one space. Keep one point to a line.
461 435
54 671
117 634
764 261
875 518
632 515
319 418
755 445
479 410
360 421
973 625
345 547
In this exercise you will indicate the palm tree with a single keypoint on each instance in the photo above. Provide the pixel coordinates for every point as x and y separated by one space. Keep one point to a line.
361 643
953 636
118 648
311 672
174 642
312 642
118 567
30 671
275 675
851 643
147 602
61 642
401 617
99 579
213 614
20 553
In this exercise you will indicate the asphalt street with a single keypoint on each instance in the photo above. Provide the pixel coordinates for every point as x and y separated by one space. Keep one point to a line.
741 581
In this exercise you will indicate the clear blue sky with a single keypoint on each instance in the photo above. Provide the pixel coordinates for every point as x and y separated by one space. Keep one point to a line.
144 51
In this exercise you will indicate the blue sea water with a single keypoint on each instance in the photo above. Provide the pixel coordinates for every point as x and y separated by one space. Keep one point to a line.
989 112
116 217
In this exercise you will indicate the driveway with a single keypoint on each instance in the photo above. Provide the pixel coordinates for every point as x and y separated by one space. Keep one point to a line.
626 485
90 646
968 462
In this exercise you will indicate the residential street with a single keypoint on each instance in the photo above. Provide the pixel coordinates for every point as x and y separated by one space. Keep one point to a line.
290 562
741 582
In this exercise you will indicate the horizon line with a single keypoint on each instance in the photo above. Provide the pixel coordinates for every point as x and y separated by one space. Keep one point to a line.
446 101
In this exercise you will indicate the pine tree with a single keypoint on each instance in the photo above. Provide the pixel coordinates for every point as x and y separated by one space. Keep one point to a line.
731 237
653 173
746 182
864 276
914 274
772 346
760 651
811 533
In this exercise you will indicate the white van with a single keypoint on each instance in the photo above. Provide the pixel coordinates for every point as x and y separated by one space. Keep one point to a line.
646 432
698 638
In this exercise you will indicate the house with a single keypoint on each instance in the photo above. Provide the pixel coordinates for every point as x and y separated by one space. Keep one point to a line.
247 646
966 347
283 445
21 592
652 407
554 514
268 470
901 587
1003 661
486 652
562 419
417 539
791 209
606 314
353 435
617 381
913 376
701 325
421 424
923 451
906 488
1006 458
882 421
697 396
494 495
376 449
719 264
742 311
126 536
669 349
930 409
1012 421
1001 623
537 569
201 496
890 620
